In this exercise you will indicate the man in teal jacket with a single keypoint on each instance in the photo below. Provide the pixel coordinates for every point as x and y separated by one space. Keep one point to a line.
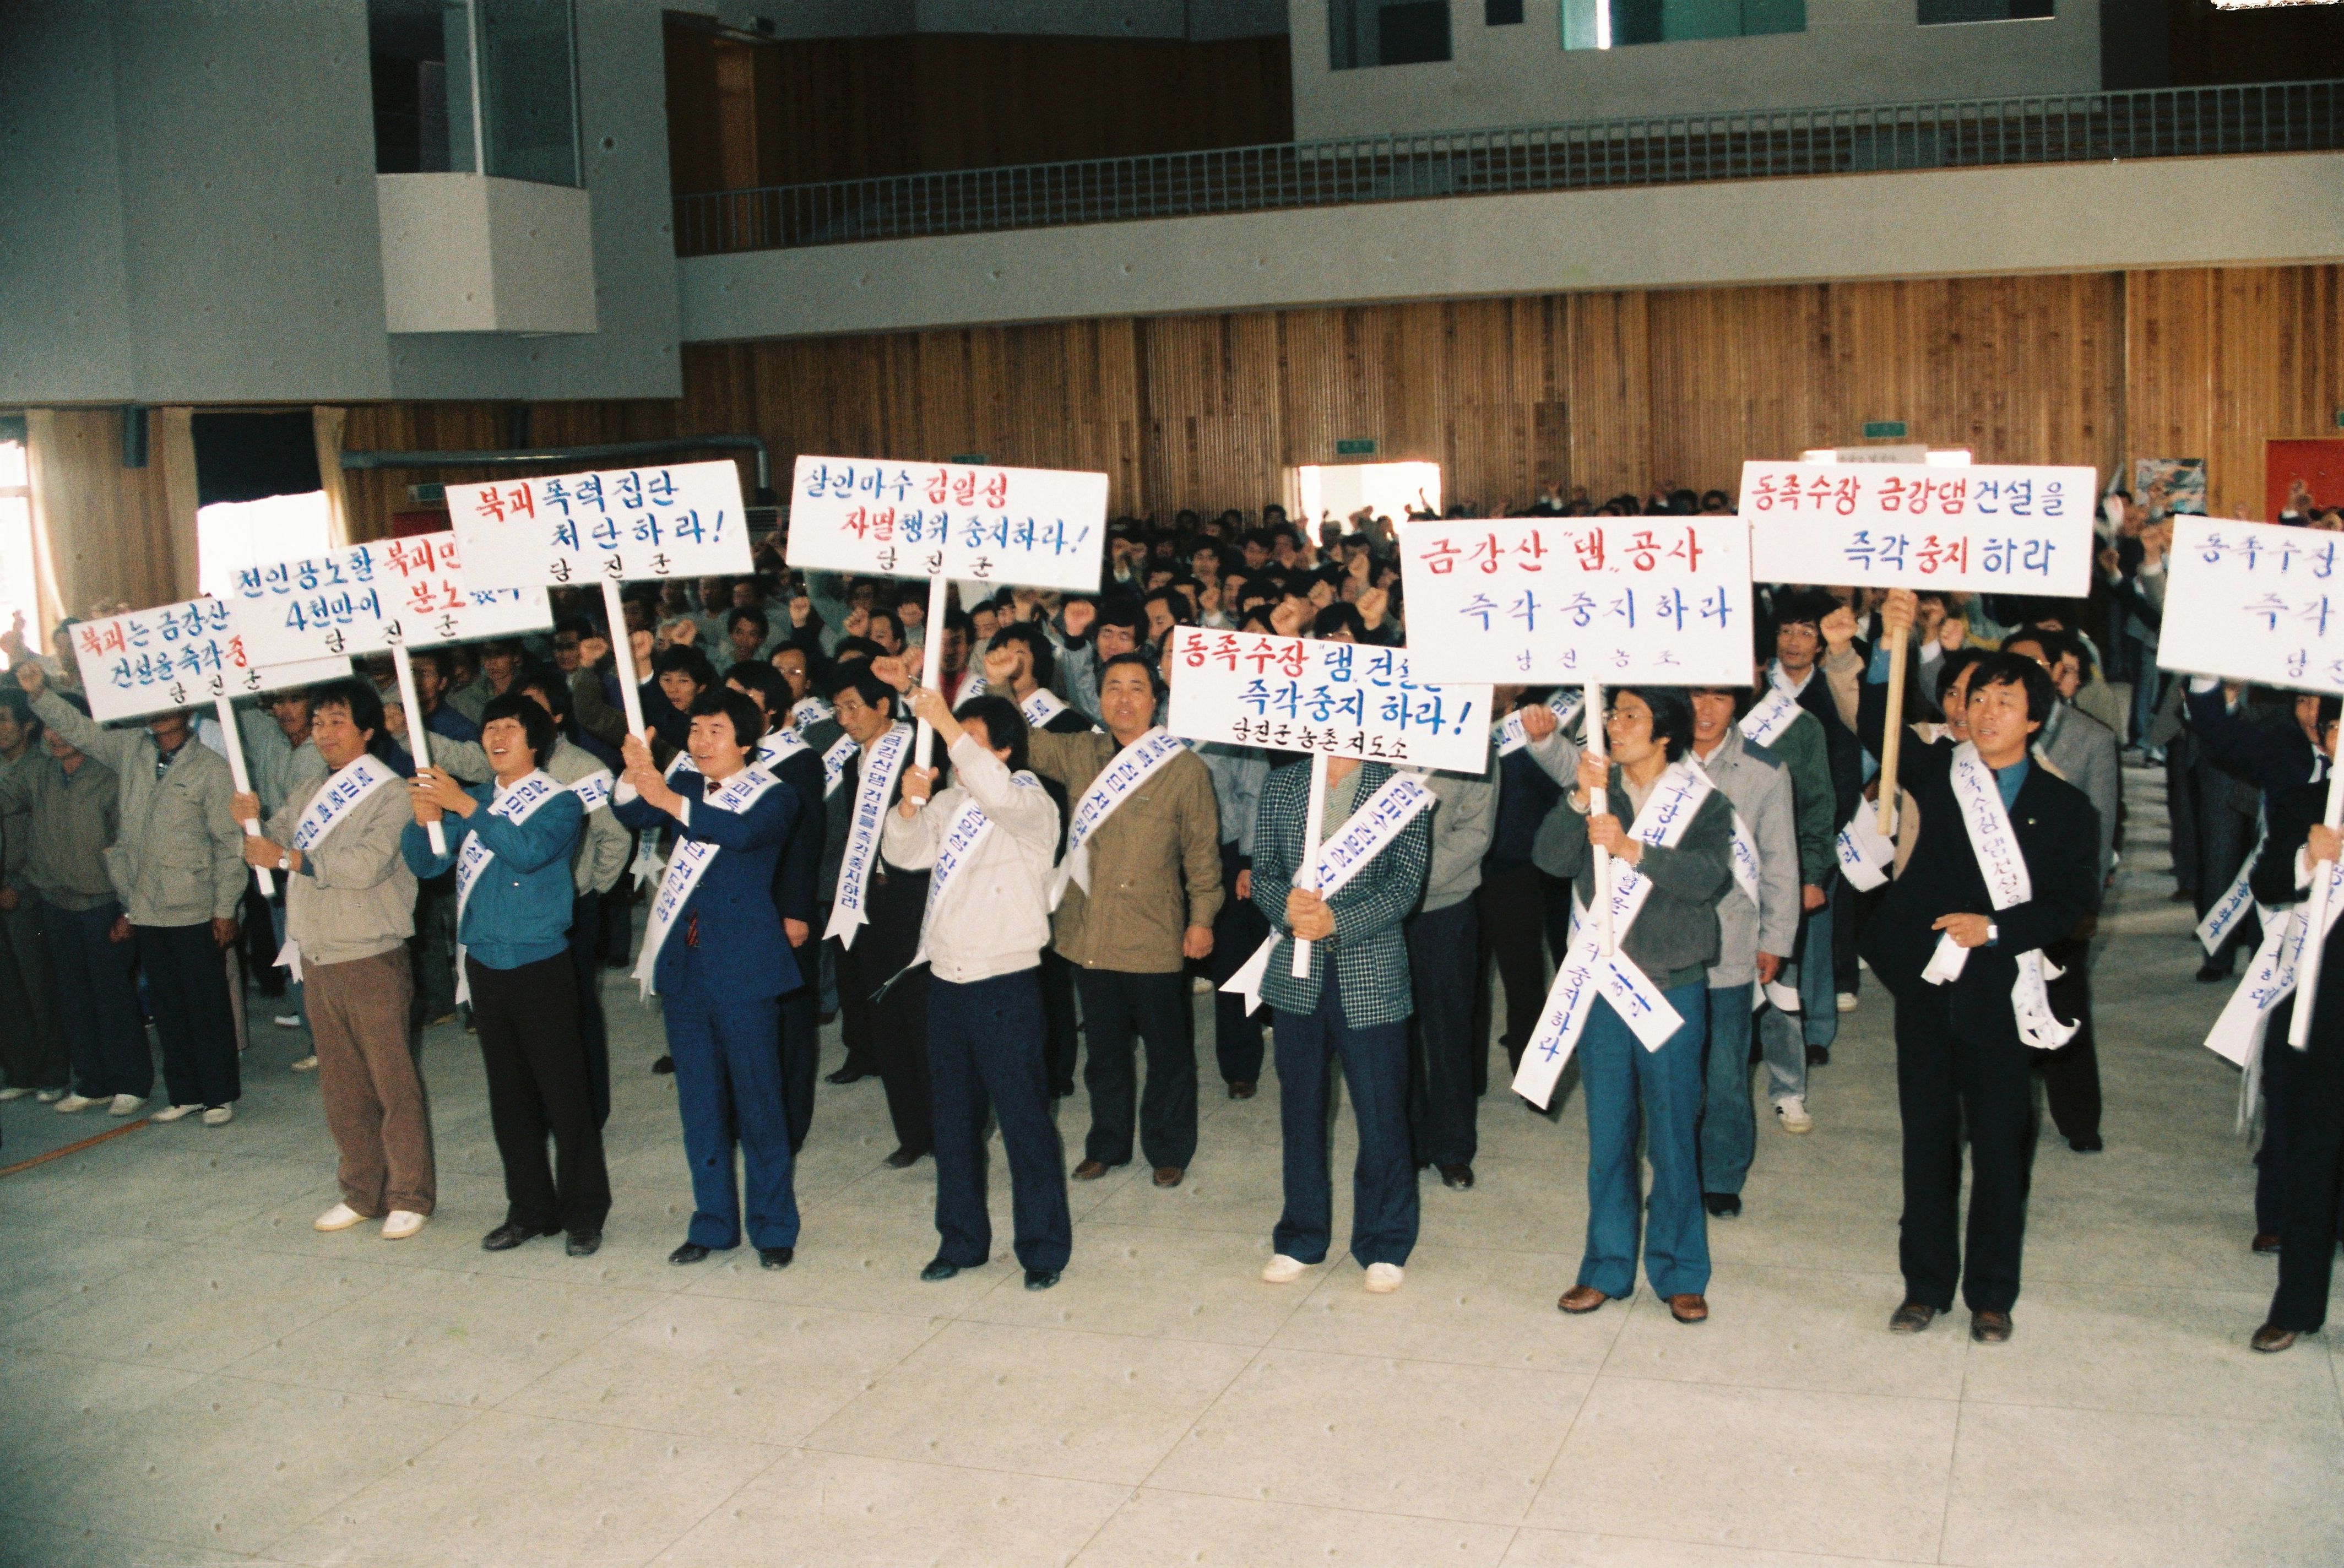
509 843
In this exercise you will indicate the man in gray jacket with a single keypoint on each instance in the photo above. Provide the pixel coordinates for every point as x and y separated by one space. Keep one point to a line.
1757 926
350 908
179 866
1444 939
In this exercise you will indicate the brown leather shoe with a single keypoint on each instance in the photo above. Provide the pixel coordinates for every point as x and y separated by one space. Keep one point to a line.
1912 1318
1989 1328
1168 1175
1242 1089
1090 1170
1582 1299
2266 1244
2271 1338
1689 1308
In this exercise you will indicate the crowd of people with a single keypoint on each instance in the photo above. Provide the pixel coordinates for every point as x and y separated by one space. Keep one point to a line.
1054 886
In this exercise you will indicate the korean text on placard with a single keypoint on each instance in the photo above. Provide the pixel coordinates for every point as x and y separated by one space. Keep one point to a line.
2254 602
1995 528
685 520
1042 527
1344 699
370 597
153 661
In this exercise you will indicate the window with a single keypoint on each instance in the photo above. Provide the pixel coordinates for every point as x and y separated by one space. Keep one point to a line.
1611 24
258 494
18 596
1388 32
1938 13
231 535
453 76
1500 13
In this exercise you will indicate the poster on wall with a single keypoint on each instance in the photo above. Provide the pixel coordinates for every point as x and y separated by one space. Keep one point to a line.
2169 484
2302 477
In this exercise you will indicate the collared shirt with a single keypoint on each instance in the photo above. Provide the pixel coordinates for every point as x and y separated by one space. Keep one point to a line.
2010 781
69 821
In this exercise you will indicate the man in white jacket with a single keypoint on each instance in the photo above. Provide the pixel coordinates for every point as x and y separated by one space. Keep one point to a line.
990 839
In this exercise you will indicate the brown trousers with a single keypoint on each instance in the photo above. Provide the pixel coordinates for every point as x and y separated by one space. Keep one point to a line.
368 1075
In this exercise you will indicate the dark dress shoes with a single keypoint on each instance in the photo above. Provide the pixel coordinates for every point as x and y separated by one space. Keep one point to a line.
1818 1055
1169 1175
1242 1089
584 1243
1459 1177
1040 1278
1689 1308
2087 1145
1581 1298
2266 1244
511 1234
1912 1318
901 1159
1989 1327
1091 1170
689 1252
939 1270
844 1076
2271 1338
775 1256
1722 1205
664 1065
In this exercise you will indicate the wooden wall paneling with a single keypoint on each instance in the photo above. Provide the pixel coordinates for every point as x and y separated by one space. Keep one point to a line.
1611 394
1211 412
2168 365
109 527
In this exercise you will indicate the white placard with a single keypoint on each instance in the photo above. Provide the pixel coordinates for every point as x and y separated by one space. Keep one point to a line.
622 525
2254 602
1569 599
181 655
1990 528
1340 699
370 597
1038 528
303 673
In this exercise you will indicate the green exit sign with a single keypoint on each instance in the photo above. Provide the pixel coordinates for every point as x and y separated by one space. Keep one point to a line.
1883 430
1355 449
2339 418
974 459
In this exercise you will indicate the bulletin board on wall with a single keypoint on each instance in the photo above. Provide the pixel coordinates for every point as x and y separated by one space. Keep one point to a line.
2319 462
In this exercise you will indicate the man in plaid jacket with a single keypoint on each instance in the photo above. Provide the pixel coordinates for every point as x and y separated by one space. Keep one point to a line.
1354 1005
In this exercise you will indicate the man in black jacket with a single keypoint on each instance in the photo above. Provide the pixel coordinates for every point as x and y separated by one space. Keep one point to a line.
1961 965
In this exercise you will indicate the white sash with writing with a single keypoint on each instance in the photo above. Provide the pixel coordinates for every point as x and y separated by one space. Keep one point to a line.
810 711
1347 852
847 912
1865 853
1586 973
2238 1035
521 802
1042 707
2236 899
779 746
335 800
2007 884
595 790
1131 768
969 828
833 764
689 864
1774 713
1513 737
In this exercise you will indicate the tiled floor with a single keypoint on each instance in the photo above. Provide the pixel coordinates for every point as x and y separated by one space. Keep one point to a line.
190 1374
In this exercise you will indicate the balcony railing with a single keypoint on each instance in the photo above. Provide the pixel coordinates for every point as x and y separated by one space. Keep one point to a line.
1668 149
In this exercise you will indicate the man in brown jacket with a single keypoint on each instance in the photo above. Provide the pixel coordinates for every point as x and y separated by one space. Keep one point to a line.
1141 885
350 908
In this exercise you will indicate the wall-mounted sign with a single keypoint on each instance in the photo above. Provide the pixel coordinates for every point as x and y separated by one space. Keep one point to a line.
1357 447
1883 430
973 459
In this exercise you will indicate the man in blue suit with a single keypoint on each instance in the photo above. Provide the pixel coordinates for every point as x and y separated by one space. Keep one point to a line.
715 951
797 879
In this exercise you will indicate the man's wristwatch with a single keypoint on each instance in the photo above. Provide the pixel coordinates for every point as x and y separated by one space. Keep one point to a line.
1992 933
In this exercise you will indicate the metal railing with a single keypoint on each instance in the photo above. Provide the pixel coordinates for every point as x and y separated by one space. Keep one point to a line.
1767 144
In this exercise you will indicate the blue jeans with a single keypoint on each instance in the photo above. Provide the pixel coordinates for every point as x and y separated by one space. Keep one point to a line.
728 1087
97 1003
1383 1180
1729 1127
985 1048
1624 1084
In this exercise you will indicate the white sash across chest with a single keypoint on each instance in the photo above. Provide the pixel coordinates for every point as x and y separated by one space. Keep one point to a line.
1042 707
690 863
2008 885
1772 715
1586 972
810 711
1364 835
849 911
524 800
1745 843
2238 1035
1116 782
833 764
328 808
1513 737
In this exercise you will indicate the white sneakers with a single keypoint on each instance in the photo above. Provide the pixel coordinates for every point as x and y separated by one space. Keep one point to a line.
214 1115
340 1217
287 1020
219 1116
1383 1279
49 1096
76 1102
1790 1114
131 1105
12 1092
1283 1270
306 1065
169 1113
400 1224
1847 1001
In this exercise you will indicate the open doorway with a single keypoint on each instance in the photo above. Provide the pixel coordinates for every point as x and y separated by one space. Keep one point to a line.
1336 490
